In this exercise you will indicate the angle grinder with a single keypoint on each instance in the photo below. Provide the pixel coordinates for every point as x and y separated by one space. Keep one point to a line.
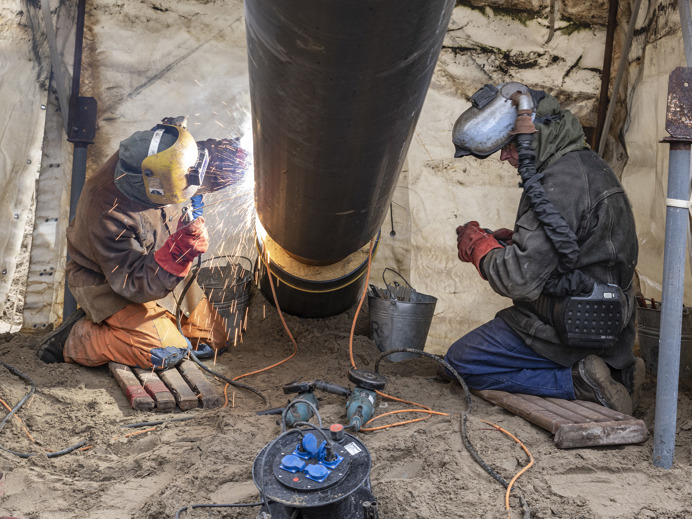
361 402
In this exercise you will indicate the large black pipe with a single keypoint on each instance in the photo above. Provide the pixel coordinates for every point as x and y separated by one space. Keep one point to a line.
336 88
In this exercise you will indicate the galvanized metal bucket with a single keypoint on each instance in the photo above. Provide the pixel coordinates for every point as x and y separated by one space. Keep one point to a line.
400 317
648 331
228 288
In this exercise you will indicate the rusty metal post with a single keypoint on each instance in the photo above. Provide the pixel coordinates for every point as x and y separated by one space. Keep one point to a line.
679 126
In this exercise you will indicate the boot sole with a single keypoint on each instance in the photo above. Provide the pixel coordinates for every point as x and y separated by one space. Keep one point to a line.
609 393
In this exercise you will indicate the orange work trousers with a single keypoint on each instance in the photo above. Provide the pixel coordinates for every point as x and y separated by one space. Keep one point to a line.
144 335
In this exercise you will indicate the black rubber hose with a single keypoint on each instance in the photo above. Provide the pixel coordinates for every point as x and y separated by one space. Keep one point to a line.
19 405
26 397
464 432
436 358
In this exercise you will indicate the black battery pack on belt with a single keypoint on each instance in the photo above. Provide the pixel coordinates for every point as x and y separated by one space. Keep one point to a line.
591 321
587 321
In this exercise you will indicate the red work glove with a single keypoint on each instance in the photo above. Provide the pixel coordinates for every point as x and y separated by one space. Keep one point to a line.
474 243
182 247
503 235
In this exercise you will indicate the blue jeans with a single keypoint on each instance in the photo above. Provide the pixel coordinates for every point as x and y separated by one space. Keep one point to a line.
493 356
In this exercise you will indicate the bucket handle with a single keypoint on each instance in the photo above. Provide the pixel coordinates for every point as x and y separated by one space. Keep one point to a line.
395 272
227 257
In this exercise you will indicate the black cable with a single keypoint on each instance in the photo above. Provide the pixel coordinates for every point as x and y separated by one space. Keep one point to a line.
436 358
17 407
55 454
463 417
26 397
159 422
231 505
294 402
318 429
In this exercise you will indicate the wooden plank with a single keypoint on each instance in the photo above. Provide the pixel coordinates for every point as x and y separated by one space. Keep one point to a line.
516 404
595 434
556 409
138 398
184 396
207 394
575 423
613 415
576 407
165 402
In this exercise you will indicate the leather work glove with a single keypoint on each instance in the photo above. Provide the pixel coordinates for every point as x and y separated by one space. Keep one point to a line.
182 247
503 235
473 243
227 164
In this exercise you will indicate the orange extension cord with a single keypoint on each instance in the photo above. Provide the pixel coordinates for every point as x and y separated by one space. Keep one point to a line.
422 408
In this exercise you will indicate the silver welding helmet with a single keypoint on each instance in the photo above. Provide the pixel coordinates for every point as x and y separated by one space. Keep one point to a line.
488 123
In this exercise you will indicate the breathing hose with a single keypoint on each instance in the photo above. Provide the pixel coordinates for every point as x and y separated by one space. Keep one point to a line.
566 279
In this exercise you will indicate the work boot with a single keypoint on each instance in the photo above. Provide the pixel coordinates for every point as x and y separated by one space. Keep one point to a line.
633 379
50 350
593 383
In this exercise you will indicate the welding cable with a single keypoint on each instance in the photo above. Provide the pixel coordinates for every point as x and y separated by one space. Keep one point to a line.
232 505
464 432
19 405
518 474
437 359
18 420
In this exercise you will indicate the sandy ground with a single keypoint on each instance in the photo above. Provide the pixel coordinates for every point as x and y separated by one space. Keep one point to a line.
419 470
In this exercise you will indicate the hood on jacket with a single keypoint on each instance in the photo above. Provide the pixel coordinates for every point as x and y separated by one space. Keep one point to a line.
559 132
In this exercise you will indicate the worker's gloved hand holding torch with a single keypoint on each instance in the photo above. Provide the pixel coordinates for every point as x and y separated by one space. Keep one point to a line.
473 243
182 247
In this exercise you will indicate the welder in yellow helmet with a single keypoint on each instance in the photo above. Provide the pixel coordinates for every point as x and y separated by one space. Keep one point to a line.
130 250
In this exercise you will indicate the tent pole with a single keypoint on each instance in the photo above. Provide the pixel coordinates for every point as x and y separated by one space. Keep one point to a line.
677 219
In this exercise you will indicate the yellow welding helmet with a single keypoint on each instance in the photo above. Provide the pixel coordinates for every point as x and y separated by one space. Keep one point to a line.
173 174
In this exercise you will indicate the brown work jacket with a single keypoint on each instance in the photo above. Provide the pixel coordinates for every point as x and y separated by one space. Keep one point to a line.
111 243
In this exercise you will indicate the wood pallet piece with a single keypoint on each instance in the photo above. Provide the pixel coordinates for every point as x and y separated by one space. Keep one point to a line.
575 423
183 395
206 392
139 399
165 402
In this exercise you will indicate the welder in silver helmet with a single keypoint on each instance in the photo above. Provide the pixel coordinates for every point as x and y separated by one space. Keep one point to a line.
131 251
573 247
